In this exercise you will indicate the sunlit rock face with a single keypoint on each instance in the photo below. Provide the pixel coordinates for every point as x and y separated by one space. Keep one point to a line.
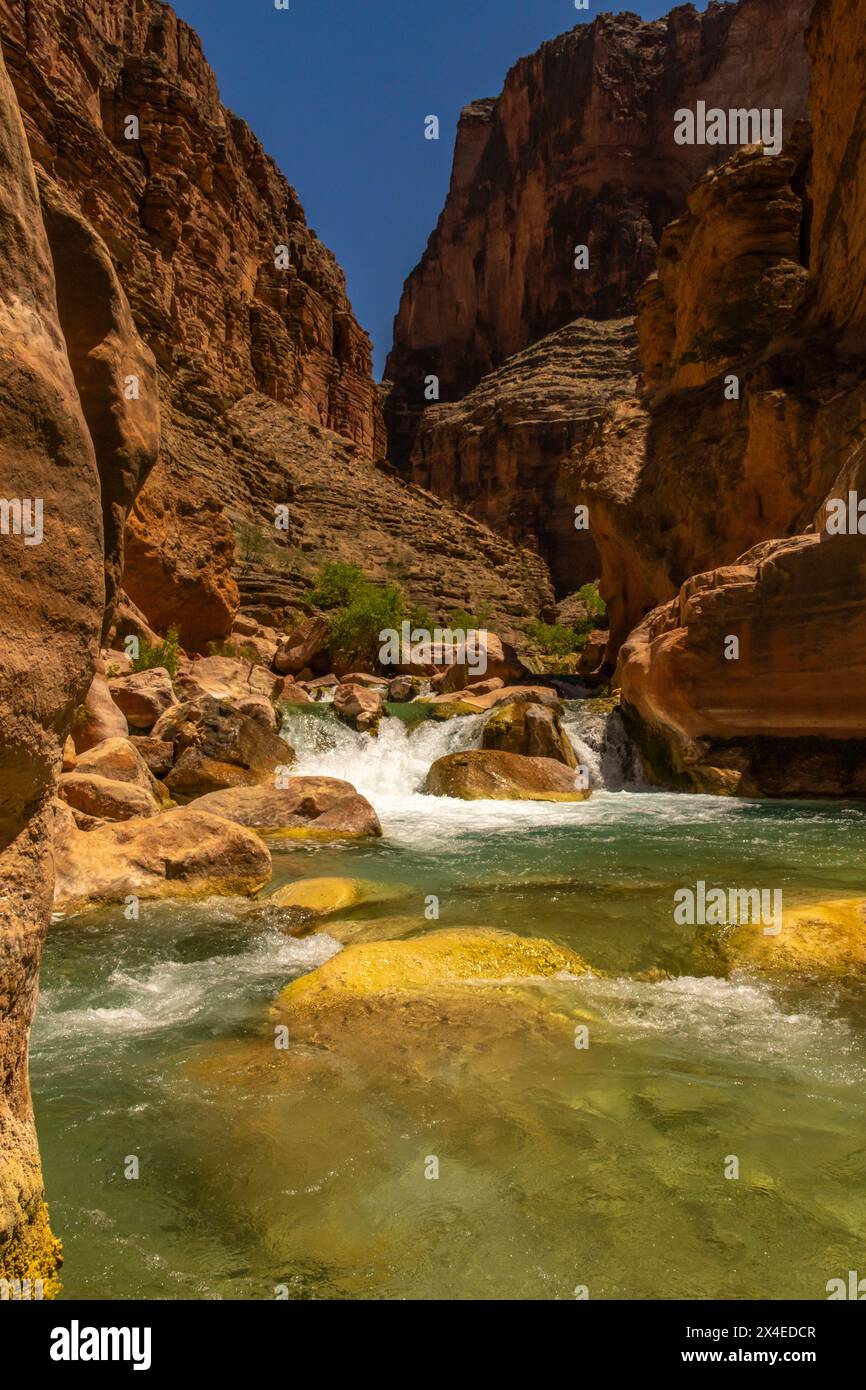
52 593
754 678
191 208
578 150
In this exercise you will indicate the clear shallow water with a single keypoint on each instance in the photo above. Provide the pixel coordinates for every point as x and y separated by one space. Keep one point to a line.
558 1166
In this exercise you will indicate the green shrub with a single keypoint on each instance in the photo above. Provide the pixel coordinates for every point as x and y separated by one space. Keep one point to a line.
555 639
165 653
355 628
236 652
337 585
592 600
251 542
469 622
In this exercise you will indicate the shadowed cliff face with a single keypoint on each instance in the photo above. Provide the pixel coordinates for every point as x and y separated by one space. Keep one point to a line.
498 453
579 149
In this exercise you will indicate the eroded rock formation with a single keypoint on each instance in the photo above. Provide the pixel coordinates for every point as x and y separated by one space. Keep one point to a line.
578 149
498 453
264 375
787 713
51 609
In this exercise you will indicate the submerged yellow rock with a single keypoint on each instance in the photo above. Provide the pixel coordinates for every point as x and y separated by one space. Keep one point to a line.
325 896
817 938
428 964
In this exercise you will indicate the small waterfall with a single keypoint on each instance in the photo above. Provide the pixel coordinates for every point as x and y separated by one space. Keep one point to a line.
599 739
393 764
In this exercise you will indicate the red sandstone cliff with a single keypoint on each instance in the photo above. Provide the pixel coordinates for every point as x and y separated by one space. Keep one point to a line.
787 713
578 149
191 211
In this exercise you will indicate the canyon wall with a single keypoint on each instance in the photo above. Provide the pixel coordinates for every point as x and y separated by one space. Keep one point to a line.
784 711
192 212
579 149
73 452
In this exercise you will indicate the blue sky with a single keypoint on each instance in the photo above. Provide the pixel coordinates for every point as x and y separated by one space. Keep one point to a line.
337 91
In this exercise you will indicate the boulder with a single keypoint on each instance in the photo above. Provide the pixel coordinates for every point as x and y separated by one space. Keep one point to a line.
464 958
309 808
820 940
259 707
491 775
593 651
98 718
106 799
217 746
402 689
496 659
183 853
143 696
361 678
533 730
120 761
289 693
157 753
69 756
225 678
306 646
358 706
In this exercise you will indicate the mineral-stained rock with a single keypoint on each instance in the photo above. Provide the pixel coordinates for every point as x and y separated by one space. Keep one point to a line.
182 853
579 149
530 729
487 774
309 808
51 609
372 973
143 696
780 717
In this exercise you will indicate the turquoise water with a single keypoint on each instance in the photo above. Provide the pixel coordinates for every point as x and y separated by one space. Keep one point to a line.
303 1174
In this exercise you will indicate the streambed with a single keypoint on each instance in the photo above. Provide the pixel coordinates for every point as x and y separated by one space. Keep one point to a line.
558 1167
